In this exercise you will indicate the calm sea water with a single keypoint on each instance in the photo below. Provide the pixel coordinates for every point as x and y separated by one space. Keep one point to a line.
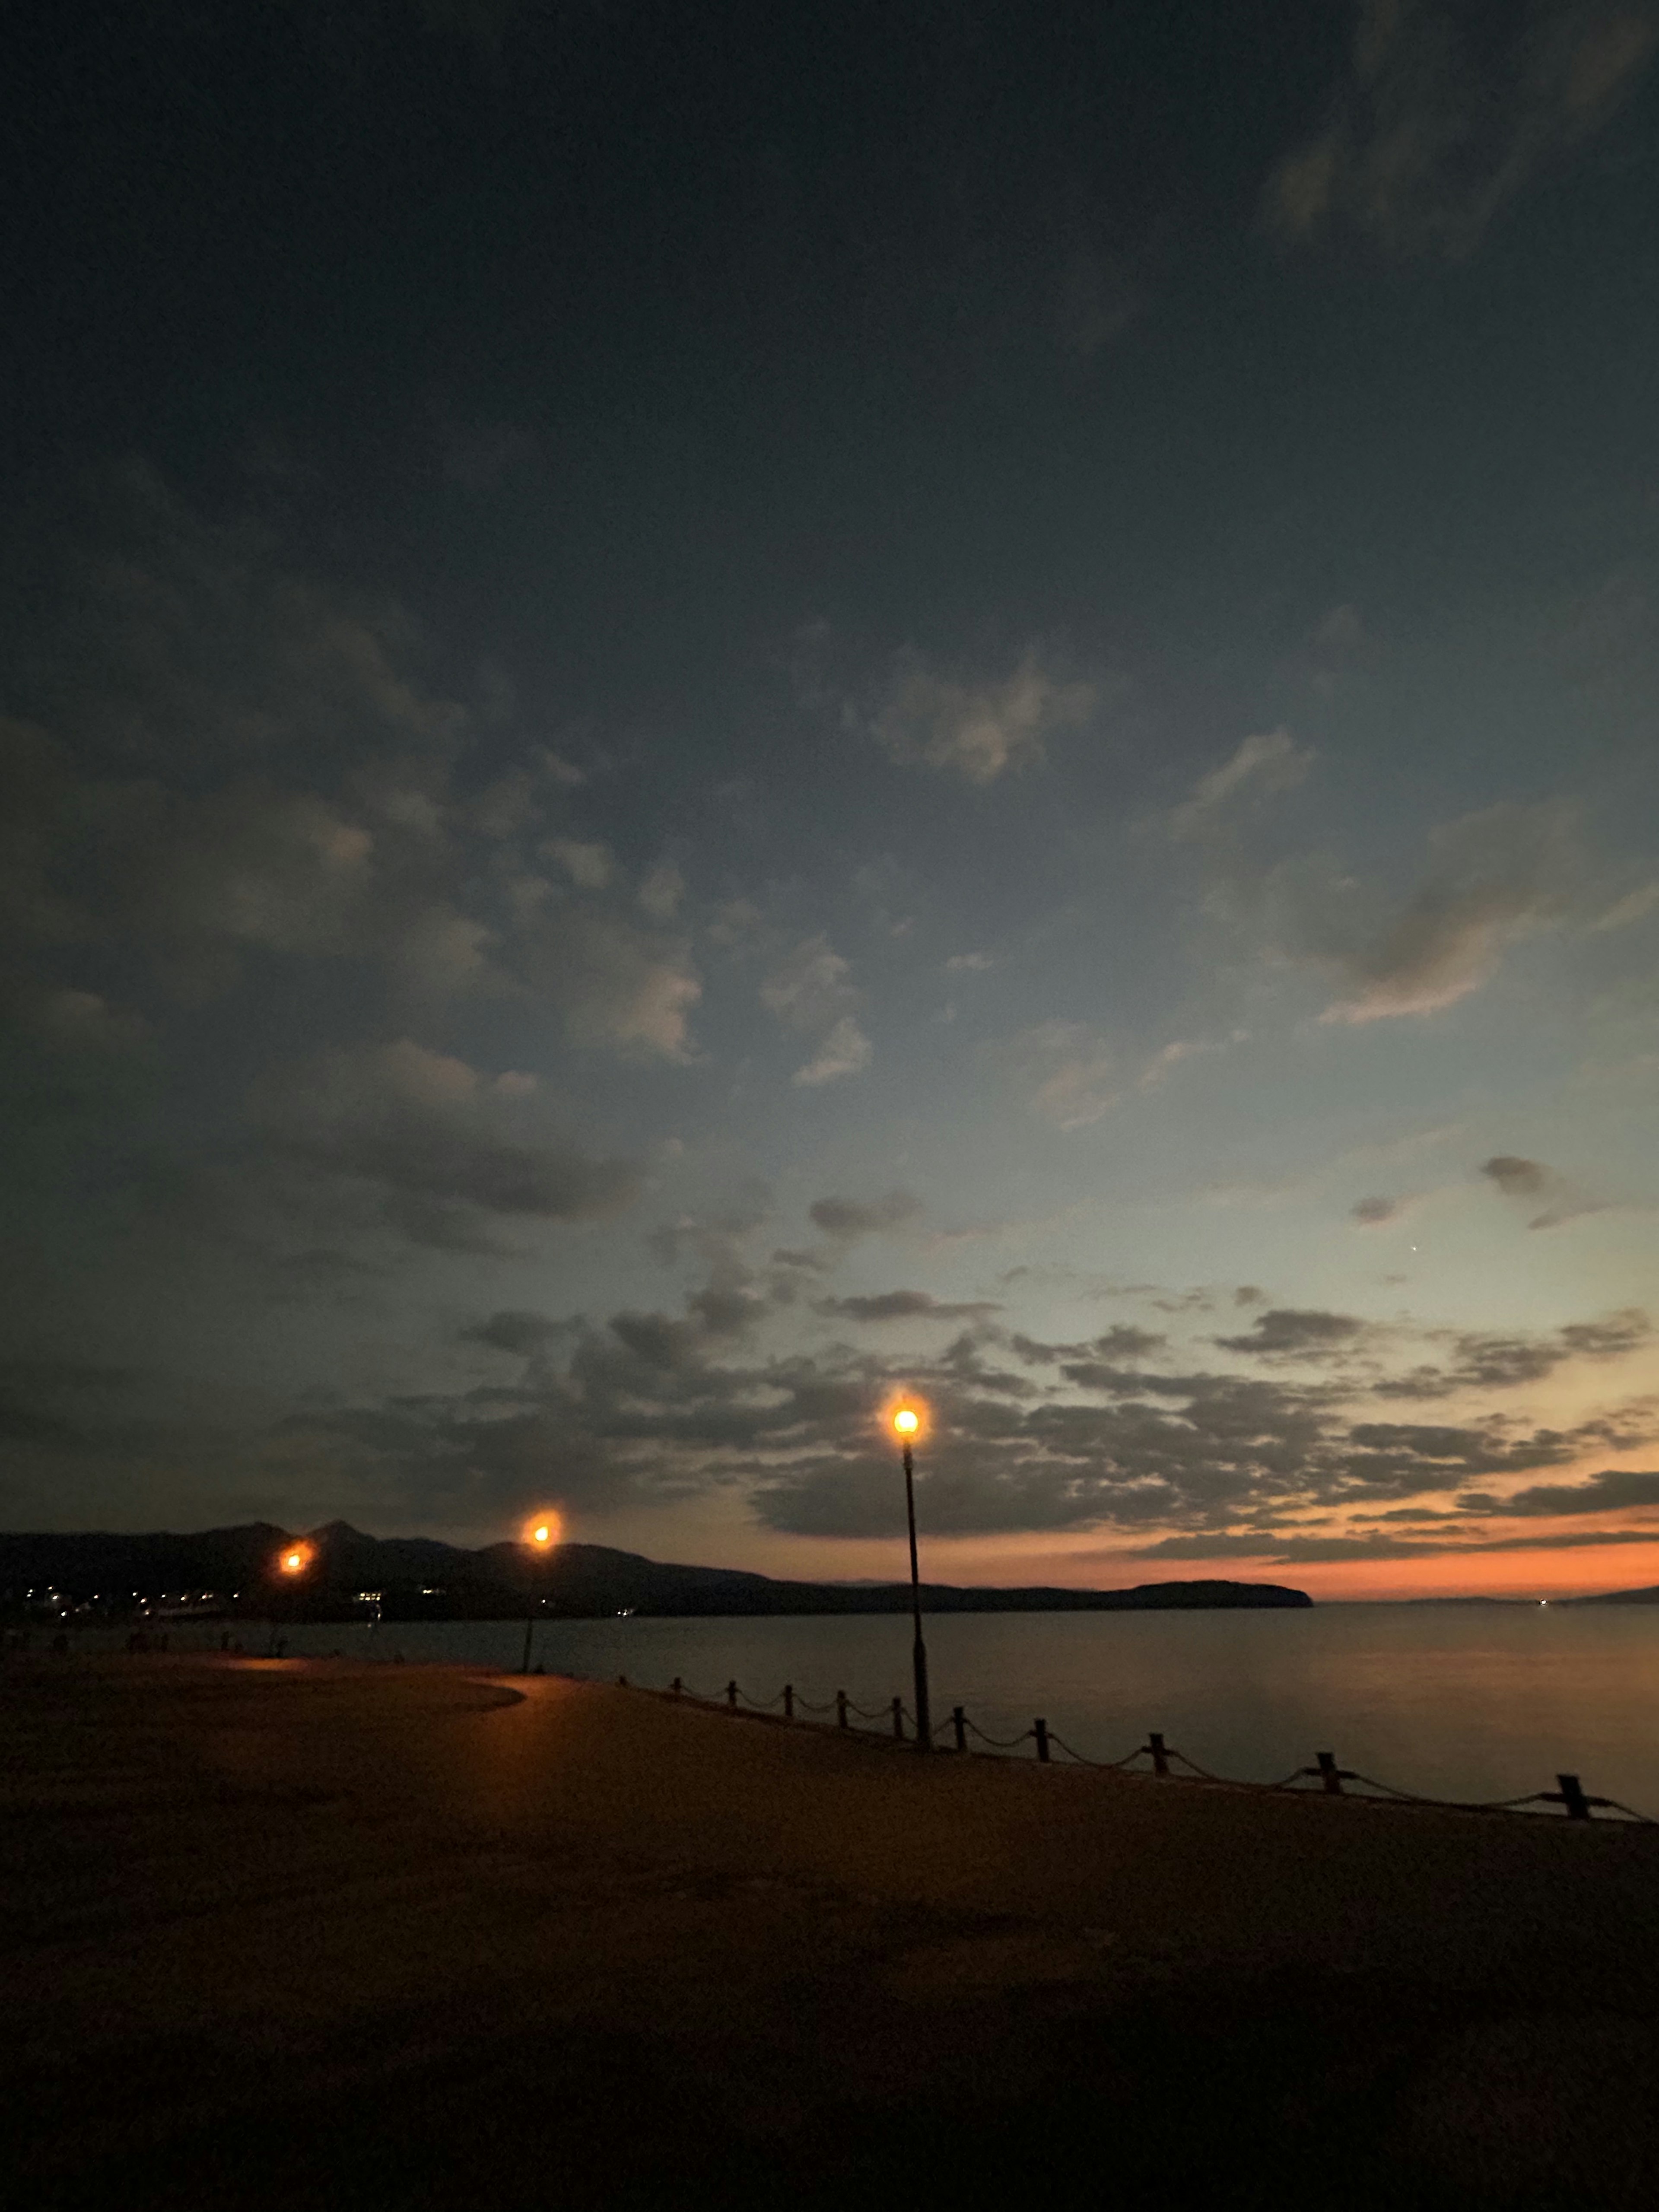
1455 1701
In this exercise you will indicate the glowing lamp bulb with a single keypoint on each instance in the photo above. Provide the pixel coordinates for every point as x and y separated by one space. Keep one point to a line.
292 1563
906 1422
541 1534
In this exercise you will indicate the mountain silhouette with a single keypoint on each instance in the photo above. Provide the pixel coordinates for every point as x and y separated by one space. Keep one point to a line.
418 1576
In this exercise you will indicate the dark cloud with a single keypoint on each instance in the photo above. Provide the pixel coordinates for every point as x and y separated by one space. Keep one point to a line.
847 1219
153 641
812 1263
224 764
903 1305
1530 1184
1125 1342
1506 1363
1100 1353
443 1142
1274 1550
1371 1212
653 1407
1037 1354
1617 1491
524 1334
1291 1332
981 1494
1388 1454
1517 1178
717 1240
1610 1338
727 1308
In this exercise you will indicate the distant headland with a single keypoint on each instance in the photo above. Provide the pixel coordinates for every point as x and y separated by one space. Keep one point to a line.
235 1570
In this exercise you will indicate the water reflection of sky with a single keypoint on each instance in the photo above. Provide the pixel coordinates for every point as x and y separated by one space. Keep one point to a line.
1483 1701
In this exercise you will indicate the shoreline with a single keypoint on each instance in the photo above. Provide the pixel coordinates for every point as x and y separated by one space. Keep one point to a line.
330 1890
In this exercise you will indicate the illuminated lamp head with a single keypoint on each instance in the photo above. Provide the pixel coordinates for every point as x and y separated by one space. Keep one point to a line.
542 1532
906 1421
295 1559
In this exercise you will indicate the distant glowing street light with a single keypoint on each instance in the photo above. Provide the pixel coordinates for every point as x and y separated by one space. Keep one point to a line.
541 1534
291 1563
907 1427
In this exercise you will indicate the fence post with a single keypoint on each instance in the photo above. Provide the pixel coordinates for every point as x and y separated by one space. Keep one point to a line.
677 1685
732 1695
1040 1730
841 1709
898 1718
621 1681
1329 1774
789 1701
959 1723
1160 1752
1573 1797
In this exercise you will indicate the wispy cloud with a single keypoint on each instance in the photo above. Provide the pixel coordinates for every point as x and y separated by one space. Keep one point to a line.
978 730
812 990
1069 1074
1271 762
1495 878
845 1050
1445 115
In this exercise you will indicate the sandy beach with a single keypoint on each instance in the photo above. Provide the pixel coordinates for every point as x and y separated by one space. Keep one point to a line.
303 1934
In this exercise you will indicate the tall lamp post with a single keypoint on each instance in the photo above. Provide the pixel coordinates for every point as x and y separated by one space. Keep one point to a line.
291 1564
540 1535
906 1423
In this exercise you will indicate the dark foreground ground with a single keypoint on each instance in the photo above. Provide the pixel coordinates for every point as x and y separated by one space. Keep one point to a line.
298 1935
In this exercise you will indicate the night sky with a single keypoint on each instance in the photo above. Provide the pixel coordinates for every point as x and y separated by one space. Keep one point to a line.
710 710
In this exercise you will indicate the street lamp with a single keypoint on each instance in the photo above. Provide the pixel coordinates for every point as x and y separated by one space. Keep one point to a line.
540 1535
291 1563
907 1426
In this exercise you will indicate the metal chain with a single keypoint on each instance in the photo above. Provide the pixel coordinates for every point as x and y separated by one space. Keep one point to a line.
947 1727
1060 1742
1001 1743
